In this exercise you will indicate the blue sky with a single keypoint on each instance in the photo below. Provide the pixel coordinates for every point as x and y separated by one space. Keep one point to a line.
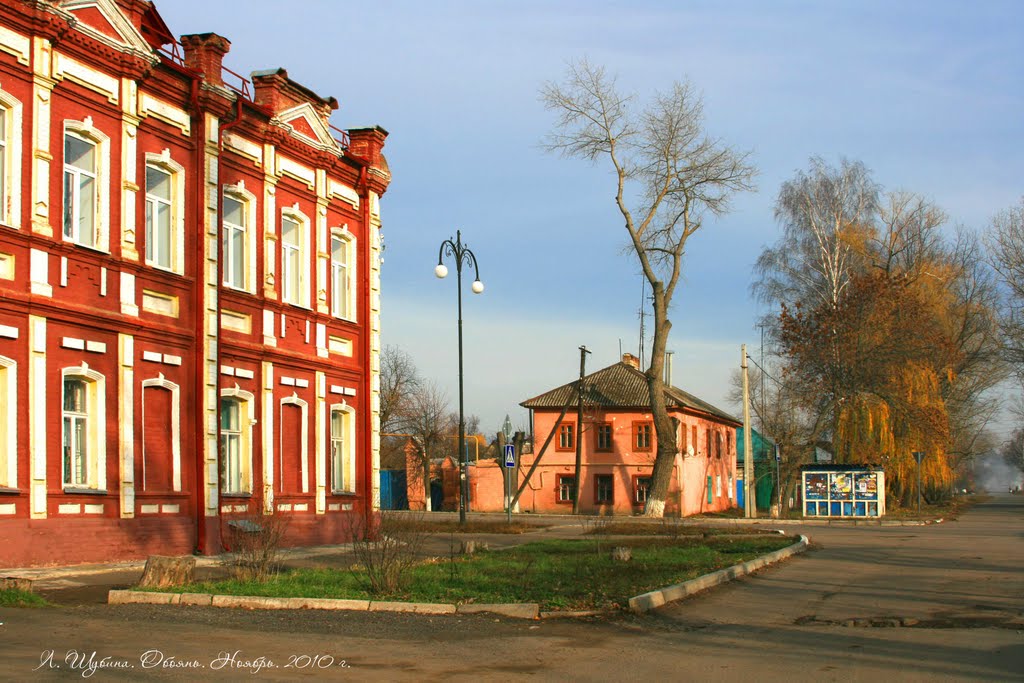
929 95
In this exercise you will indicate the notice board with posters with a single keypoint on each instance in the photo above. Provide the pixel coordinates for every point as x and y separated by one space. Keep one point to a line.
843 490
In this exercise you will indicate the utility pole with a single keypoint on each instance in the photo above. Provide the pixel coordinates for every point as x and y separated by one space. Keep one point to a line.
579 432
748 442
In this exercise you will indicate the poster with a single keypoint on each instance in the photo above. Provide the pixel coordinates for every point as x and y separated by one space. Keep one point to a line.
817 486
841 486
867 486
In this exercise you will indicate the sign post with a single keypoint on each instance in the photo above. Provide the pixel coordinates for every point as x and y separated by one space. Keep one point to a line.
510 463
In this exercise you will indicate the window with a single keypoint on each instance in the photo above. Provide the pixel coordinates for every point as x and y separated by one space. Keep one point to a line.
293 261
707 441
718 444
10 160
81 197
165 212
9 418
641 487
76 430
566 437
235 236
604 436
236 441
604 489
693 438
683 445
83 429
342 289
342 462
158 217
160 461
566 488
642 436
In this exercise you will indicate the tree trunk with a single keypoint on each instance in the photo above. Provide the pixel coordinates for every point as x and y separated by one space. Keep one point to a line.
664 428
162 571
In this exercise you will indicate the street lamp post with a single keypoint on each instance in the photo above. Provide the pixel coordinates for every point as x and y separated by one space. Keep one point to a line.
462 255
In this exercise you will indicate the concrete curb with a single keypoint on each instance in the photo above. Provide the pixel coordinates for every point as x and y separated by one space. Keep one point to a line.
653 599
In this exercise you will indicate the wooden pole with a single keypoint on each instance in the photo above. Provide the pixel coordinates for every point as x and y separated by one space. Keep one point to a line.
578 485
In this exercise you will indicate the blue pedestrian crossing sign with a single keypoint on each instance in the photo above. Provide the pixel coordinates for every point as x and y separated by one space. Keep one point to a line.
510 455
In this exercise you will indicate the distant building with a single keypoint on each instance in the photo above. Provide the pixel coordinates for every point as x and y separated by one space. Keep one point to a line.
189 292
618 450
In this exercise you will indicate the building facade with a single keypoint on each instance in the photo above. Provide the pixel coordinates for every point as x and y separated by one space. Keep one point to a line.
189 292
618 446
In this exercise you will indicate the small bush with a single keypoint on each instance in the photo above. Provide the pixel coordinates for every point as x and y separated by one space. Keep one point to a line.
386 549
255 544
12 597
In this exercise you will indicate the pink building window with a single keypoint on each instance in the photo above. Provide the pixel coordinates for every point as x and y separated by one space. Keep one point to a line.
566 488
642 436
641 486
604 436
604 489
566 437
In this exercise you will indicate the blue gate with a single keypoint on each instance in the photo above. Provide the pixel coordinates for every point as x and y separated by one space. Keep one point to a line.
393 493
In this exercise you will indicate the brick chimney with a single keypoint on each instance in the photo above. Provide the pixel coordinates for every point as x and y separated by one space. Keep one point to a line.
368 143
204 52
631 360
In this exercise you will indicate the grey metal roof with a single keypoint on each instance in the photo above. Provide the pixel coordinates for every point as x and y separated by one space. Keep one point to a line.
622 386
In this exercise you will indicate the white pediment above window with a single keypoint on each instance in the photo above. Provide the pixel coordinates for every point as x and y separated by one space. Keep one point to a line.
104 21
305 123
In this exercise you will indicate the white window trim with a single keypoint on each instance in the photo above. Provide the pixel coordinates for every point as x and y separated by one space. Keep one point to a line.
348 443
303 447
164 162
305 272
96 479
10 194
161 383
350 272
86 131
9 444
248 200
246 421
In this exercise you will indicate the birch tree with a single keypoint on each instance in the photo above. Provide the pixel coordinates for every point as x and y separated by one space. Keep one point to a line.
1005 241
669 176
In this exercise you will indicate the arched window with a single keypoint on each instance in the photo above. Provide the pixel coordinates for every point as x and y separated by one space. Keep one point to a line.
83 429
9 418
238 243
343 464
236 420
86 189
343 280
165 209
294 257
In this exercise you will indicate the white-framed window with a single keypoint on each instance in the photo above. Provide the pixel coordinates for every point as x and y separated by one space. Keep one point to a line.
10 160
86 195
165 212
294 261
237 239
342 276
83 429
343 462
9 418
236 421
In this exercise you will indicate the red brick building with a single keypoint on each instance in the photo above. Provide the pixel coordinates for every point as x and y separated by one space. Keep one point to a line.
189 292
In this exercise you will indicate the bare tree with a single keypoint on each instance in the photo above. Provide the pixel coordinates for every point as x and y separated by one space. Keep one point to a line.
1005 241
399 379
670 175
429 422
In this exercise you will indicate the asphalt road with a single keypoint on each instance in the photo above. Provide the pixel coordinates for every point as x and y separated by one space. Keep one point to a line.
940 602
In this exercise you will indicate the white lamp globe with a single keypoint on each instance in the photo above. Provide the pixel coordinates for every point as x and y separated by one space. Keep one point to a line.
477 286
441 271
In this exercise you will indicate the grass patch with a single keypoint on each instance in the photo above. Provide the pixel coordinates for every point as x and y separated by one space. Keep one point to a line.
670 528
558 574
12 597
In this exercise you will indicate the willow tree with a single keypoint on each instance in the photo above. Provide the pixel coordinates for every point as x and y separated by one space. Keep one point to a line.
669 176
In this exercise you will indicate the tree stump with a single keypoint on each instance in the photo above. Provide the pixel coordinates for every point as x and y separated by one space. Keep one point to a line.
162 571
622 553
